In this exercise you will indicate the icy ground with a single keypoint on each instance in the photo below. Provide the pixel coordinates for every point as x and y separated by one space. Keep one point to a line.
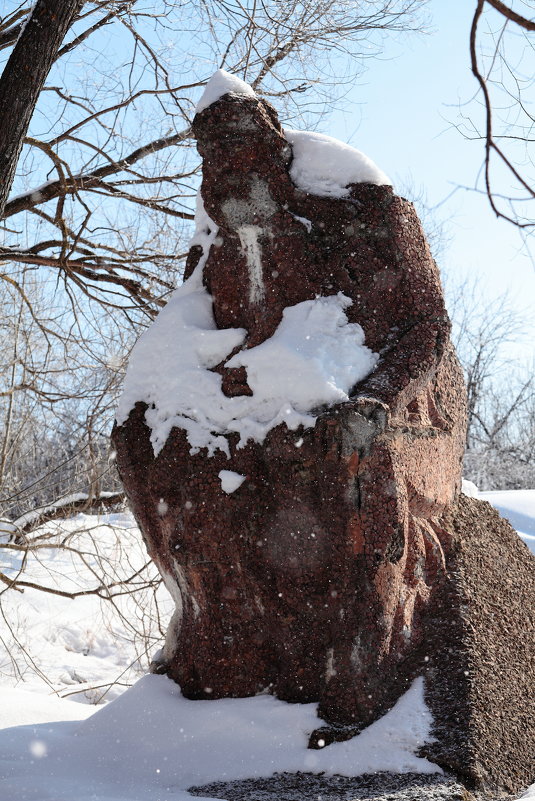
59 656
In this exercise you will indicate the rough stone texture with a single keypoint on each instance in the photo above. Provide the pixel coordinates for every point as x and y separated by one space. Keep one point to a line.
370 787
320 576
481 669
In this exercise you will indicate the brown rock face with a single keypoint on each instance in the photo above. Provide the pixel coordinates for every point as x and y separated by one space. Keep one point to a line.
321 577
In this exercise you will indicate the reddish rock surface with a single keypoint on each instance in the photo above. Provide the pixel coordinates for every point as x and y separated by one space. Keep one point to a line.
321 577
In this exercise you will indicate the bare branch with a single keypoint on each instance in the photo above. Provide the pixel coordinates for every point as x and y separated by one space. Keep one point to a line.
20 86
78 183
512 15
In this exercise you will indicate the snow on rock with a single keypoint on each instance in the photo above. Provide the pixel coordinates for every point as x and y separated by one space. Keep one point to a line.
169 367
518 507
250 242
469 489
222 83
321 164
313 359
325 166
204 235
230 481
303 220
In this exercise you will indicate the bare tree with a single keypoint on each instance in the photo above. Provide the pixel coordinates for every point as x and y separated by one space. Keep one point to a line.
57 397
23 78
501 389
118 145
503 64
102 560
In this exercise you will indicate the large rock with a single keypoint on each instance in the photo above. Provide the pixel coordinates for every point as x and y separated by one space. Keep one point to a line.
326 575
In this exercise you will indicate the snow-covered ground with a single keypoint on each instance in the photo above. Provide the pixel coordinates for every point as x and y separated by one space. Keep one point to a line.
86 648
63 660
151 744
519 509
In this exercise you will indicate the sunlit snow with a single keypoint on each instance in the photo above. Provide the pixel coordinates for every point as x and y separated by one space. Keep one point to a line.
222 83
230 481
150 743
322 165
325 166
517 506
313 359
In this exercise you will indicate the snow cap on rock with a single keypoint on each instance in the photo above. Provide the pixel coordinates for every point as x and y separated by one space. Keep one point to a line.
222 83
322 165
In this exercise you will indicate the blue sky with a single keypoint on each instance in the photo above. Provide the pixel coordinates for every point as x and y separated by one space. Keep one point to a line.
402 115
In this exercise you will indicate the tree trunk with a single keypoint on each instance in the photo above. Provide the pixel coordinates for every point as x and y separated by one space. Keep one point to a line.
24 76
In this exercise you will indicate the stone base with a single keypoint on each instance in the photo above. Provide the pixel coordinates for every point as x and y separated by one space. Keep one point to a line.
370 787
480 684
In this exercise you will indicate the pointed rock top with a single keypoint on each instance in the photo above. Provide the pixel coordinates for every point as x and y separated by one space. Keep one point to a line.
222 83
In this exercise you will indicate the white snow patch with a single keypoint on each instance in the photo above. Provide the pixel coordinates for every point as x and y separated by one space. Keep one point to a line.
23 708
313 359
230 481
469 488
252 250
303 220
169 367
61 503
34 195
222 83
325 166
204 235
78 647
152 743
518 507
